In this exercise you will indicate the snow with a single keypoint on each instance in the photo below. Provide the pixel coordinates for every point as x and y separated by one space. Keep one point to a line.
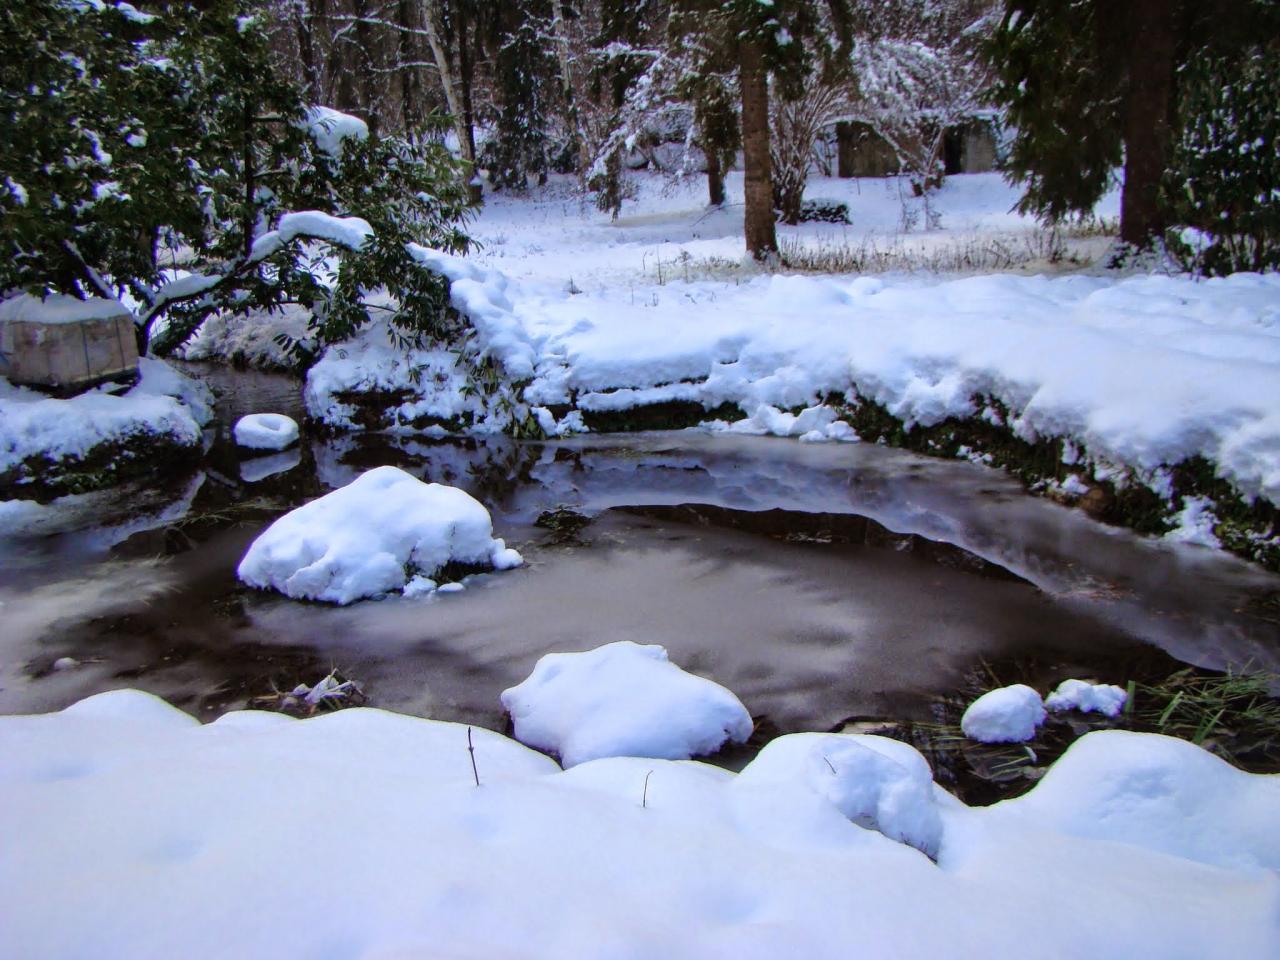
880 784
266 431
329 128
622 700
59 308
350 232
160 379
360 833
1138 372
34 426
1195 523
1104 698
370 537
1004 715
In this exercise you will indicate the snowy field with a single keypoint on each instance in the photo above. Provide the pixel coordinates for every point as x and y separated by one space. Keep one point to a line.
362 834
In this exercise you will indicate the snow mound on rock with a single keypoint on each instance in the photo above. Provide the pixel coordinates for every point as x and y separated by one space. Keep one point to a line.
876 782
622 700
1104 698
266 431
370 537
1005 715
1161 794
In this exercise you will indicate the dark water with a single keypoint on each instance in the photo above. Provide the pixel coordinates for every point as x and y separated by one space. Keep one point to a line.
819 582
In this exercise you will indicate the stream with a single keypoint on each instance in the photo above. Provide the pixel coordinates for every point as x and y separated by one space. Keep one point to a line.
819 582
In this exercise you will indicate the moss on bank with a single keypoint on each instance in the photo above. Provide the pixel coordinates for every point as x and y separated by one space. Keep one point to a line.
1247 529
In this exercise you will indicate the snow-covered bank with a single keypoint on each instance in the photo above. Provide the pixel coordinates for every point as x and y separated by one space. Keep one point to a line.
50 447
1118 383
362 834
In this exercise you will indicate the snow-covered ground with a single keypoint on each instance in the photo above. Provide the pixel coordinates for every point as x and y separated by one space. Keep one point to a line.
38 432
1135 372
135 831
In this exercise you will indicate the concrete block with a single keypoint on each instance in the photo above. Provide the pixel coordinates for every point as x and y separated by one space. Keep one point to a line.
64 344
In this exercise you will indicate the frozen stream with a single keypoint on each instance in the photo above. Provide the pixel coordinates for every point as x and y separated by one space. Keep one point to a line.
819 582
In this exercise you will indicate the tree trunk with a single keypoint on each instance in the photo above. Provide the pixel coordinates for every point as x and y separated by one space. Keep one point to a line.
715 179
466 70
846 150
762 240
365 76
307 50
1147 134
410 109
431 20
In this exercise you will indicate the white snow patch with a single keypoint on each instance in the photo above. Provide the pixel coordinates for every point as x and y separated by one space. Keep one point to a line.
160 379
878 783
59 308
266 431
328 128
622 699
1104 698
1195 523
370 537
1004 715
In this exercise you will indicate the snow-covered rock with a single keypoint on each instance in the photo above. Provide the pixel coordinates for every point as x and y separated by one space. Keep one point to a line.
1104 698
622 699
878 783
1004 715
266 431
371 537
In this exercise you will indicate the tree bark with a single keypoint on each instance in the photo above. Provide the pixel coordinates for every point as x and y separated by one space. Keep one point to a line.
758 223
846 150
715 179
1147 137
431 20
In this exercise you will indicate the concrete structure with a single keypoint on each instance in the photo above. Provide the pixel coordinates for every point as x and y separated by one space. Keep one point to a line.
861 152
63 344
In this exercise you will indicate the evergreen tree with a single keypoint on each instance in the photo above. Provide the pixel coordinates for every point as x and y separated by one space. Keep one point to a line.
1088 84
141 145
1225 176
525 88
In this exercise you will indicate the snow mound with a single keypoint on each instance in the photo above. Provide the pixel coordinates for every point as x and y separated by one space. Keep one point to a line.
878 783
151 835
1104 698
1005 715
266 431
620 700
370 537
1161 794
160 379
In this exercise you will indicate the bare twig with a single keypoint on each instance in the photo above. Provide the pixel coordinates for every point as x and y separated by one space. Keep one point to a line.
472 750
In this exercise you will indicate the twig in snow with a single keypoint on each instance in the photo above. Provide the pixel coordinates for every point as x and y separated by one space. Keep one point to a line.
644 797
472 750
